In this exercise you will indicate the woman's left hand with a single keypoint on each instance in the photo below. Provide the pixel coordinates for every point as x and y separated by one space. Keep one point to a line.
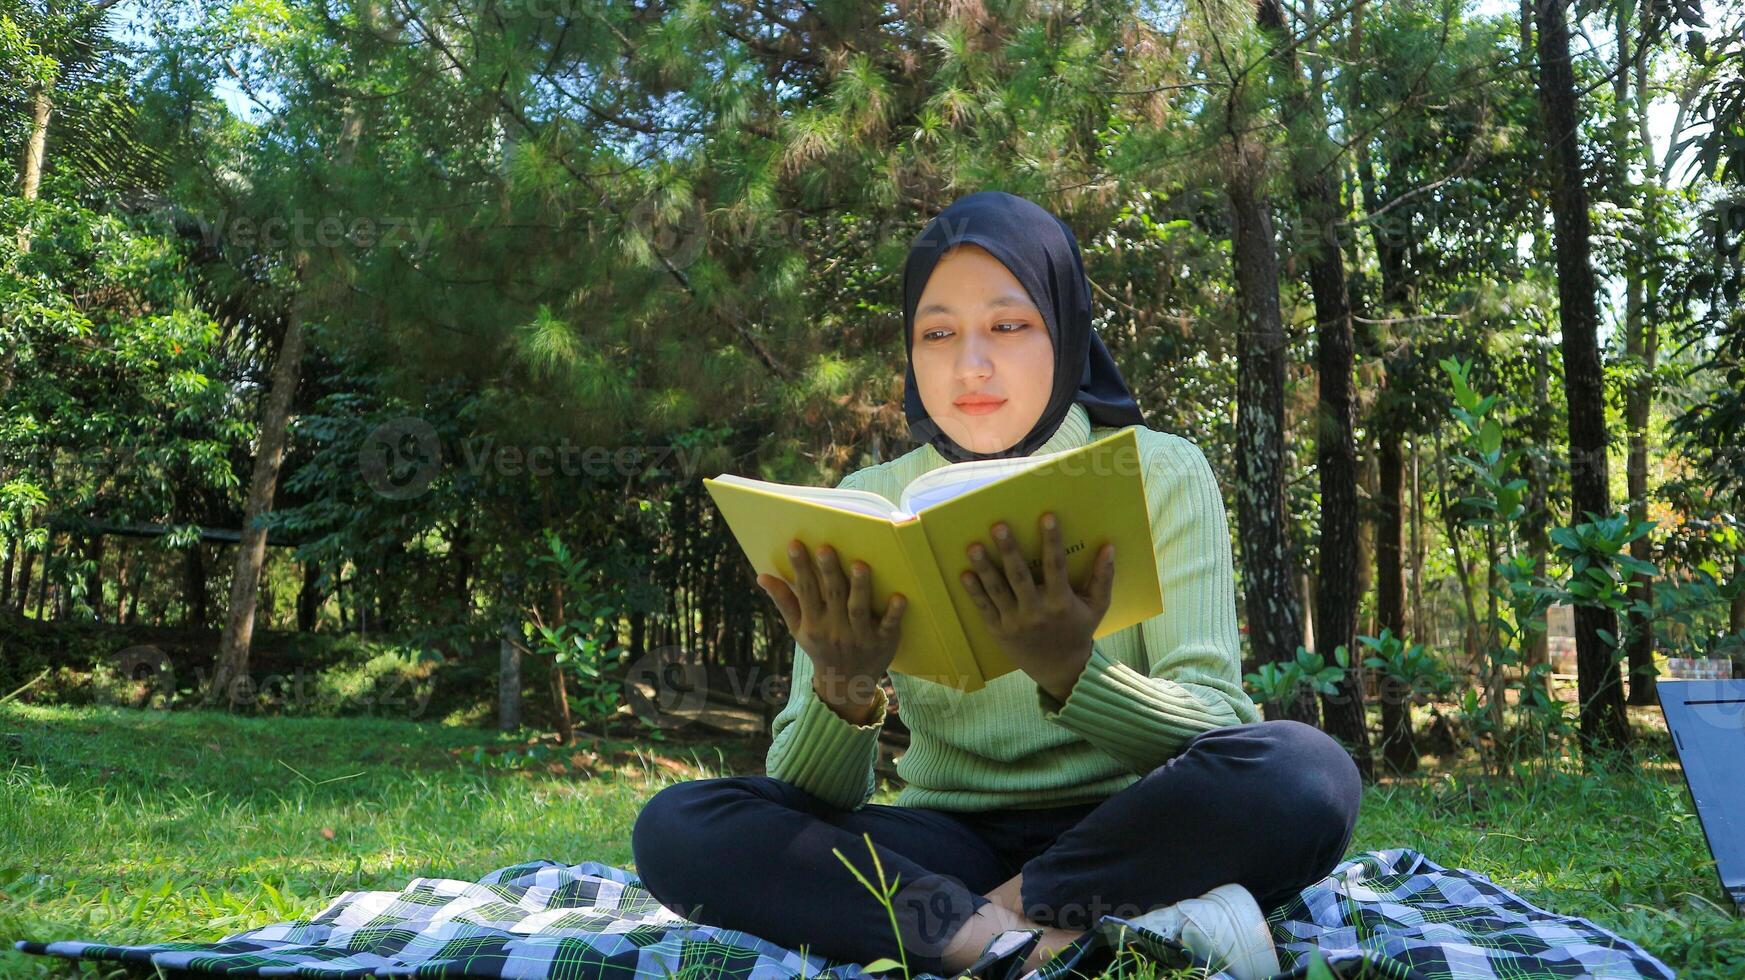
1046 629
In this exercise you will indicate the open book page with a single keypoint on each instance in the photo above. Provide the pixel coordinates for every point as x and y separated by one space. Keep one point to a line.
842 498
936 486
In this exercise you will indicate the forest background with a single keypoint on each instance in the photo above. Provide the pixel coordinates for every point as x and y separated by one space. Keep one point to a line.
391 341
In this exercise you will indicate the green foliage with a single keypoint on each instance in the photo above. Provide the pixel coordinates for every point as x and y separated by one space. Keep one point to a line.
658 229
1517 600
114 408
1597 556
581 634
1276 683
1411 667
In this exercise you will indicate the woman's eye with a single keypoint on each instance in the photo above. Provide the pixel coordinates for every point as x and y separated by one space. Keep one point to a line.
1016 326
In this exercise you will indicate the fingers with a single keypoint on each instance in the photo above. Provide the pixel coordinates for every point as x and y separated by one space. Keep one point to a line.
834 583
860 597
892 623
1102 586
787 603
806 581
1018 577
823 588
1054 580
984 579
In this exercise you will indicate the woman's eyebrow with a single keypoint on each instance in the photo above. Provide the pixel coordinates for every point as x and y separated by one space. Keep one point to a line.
1008 299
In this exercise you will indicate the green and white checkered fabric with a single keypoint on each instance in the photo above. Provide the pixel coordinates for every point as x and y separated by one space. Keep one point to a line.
1389 913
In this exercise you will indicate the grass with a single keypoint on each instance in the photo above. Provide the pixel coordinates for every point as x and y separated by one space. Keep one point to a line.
132 826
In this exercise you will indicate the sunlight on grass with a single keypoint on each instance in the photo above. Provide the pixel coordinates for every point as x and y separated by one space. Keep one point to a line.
146 826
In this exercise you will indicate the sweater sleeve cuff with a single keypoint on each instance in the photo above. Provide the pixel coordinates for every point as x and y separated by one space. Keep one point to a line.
1139 720
831 757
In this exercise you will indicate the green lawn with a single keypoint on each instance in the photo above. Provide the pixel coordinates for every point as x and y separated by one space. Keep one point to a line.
142 826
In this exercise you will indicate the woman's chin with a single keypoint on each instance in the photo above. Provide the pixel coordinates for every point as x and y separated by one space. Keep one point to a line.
985 442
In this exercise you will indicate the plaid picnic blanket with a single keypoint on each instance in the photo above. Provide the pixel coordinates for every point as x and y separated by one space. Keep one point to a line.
1386 913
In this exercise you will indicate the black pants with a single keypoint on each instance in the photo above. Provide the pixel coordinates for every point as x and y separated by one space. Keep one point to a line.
1270 806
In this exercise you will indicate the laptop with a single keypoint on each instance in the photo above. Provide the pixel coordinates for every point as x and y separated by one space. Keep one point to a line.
1707 721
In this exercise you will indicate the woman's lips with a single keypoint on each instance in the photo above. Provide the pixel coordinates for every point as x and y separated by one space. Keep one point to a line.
979 407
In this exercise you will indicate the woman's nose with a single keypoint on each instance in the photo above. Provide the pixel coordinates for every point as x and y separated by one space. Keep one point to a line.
972 359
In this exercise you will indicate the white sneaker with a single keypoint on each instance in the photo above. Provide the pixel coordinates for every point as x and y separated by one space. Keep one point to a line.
1224 926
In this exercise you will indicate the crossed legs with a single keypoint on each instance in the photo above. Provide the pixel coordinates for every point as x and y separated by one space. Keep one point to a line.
1270 806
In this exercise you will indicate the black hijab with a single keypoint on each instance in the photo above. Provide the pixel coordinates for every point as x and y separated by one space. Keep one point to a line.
1041 253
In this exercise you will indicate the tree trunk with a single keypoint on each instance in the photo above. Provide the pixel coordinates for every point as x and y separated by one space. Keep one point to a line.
135 581
461 555
1538 518
94 577
1392 239
508 680
1640 343
566 731
1422 629
6 573
35 146
48 555
1399 748
23 596
309 598
269 454
251 551
1643 339
1604 725
1368 487
509 659
198 599
1336 456
1270 592
391 571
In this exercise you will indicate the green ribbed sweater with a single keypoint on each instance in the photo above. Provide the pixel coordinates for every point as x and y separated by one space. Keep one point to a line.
1146 689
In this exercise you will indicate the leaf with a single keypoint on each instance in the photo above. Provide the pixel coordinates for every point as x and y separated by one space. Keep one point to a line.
1490 439
1636 565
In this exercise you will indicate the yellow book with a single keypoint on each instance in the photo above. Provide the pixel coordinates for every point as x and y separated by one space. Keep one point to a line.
920 547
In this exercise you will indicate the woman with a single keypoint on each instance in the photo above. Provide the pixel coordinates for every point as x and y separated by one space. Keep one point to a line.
1128 776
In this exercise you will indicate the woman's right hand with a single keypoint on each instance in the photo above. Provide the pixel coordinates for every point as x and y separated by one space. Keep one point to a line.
830 615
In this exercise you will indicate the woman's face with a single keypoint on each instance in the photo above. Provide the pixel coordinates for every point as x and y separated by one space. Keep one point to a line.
984 362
